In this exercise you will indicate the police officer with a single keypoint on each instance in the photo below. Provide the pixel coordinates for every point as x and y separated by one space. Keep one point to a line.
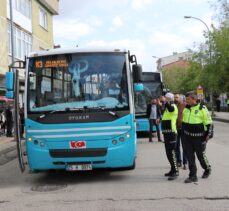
169 131
198 129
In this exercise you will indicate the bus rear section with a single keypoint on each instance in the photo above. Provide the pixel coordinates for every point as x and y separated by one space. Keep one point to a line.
79 110
152 88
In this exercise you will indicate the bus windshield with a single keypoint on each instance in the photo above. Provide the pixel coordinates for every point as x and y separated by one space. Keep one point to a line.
151 89
77 81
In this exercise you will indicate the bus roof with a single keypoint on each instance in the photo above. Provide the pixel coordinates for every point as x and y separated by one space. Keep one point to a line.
75 50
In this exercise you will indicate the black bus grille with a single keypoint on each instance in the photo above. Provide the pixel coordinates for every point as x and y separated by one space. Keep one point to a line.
76 153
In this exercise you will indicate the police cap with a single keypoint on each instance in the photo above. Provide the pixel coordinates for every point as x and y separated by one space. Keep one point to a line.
192 94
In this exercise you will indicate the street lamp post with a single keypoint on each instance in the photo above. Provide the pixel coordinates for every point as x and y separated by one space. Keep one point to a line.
159 69
210 55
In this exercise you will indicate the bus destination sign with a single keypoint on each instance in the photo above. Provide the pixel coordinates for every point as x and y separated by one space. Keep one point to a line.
51 63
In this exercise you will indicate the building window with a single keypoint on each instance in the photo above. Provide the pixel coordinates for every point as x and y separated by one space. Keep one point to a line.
43 18
23 6
22 42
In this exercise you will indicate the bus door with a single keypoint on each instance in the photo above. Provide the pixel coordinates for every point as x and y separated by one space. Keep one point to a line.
12 87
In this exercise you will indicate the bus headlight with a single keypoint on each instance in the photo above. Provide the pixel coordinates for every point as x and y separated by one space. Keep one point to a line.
128 135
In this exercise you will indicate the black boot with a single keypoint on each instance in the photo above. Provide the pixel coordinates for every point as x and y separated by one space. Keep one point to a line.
168 173
173 176
191 179
179 165
206 173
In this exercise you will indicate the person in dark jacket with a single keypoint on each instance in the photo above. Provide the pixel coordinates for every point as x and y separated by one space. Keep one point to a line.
154 115
22 121
180 136
9 121
218 102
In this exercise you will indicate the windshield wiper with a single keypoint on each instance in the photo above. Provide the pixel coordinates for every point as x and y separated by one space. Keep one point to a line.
51 112
76 109
66 109
103 108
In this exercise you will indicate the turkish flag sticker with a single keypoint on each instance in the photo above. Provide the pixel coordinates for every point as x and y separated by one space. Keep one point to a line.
77 144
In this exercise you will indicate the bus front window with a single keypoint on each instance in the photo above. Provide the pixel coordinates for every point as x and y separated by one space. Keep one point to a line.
60 82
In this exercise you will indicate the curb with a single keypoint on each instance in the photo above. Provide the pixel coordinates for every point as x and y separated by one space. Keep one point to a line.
220 119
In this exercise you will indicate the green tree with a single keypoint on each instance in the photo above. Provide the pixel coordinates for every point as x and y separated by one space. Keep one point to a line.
191 78
209 66
182 80
215 69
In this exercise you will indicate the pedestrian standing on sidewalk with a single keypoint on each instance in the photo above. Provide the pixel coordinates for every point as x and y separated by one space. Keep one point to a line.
9 120
218 103
198 129
22 120
181 158
153 115
227 101
169 131
3 123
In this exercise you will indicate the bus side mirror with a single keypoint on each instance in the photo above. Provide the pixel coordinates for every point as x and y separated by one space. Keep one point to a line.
138 87
10 85
137 73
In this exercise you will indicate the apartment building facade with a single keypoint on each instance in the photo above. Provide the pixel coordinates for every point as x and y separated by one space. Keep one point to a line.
32 30
174 60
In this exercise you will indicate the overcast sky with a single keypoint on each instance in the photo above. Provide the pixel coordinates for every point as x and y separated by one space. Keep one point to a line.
145 27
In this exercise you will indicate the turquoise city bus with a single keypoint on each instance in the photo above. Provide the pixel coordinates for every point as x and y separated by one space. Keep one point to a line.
152 88
79 109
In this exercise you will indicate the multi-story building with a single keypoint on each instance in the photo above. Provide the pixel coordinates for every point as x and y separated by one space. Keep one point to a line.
32 30
174 60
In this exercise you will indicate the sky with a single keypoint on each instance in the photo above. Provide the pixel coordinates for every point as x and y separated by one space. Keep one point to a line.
148 28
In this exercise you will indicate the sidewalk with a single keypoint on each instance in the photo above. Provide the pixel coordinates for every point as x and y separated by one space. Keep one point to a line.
221 116
8 150
6 144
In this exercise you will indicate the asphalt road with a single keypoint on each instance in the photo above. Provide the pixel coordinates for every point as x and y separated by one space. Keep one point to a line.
144 188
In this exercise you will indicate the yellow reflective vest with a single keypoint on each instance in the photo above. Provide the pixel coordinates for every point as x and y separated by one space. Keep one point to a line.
195 120
169 119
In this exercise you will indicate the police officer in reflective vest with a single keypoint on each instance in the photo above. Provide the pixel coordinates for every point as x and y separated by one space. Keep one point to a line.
198 129
169 131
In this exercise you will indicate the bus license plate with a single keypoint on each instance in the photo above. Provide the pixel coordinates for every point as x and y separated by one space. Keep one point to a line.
83 167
